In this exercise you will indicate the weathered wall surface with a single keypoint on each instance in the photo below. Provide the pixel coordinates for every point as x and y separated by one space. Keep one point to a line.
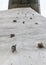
28 36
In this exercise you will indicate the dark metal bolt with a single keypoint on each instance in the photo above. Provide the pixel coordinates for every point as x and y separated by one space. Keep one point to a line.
40 45
30 17
23 22
36 23
13 48
14 20
12 35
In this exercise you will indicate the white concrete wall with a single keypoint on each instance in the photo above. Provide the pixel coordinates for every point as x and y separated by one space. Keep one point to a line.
4 4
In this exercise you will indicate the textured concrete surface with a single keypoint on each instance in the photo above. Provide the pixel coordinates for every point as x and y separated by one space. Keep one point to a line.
29 29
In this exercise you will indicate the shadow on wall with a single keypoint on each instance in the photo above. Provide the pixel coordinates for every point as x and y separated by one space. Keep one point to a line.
24 3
